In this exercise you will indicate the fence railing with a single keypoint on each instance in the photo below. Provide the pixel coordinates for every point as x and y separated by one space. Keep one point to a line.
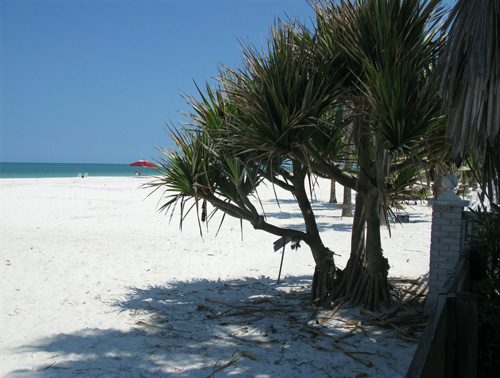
448 347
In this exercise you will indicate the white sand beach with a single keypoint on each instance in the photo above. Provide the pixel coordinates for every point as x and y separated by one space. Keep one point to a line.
96 282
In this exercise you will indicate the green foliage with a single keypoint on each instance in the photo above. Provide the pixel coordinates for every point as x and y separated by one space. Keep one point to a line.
281 93
485 242
195 170
400 102
329 138
390 48
396 59
485 238
403 179
362 79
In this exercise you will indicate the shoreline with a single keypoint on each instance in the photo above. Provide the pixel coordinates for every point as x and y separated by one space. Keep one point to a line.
68 170
73 177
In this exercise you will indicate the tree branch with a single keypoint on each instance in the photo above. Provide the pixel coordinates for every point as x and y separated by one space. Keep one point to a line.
229 208
404 164
261 224
246 201
328 169
282 184
258 222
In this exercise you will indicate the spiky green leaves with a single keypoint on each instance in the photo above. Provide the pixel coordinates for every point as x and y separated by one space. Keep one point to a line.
281 93
403 105
195 170
390 48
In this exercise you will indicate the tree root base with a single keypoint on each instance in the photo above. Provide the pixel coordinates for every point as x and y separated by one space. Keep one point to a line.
323 283
363 288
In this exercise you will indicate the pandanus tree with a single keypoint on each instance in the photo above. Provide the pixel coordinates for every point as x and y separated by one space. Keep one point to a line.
365 71
248 129
389 47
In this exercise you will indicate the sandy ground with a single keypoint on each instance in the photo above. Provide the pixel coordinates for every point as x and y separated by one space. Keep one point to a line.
96 282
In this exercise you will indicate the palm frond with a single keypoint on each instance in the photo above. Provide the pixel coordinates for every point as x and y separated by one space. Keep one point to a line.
470 86
470 76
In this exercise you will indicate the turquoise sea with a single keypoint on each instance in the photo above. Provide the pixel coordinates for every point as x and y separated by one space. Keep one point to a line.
44 170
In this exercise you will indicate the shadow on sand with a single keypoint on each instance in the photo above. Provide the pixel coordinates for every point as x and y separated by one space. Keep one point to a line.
248 327
191 329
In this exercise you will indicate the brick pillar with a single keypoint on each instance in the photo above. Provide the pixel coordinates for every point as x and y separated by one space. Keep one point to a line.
446 239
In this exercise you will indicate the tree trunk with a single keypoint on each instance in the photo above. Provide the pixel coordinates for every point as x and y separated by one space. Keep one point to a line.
357 261
438 182
382 217
324 277
364 279
347 200
347 210
324 272
377 266
333 196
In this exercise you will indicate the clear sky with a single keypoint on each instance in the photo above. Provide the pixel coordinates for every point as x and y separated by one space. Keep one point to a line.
96 81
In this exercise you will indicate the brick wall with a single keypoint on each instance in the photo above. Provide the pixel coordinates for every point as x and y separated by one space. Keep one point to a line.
446 242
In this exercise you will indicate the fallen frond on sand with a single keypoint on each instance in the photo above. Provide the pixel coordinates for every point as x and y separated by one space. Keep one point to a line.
336 345
236 358
406 322
169 328
410 291
347 353
259 342
330 314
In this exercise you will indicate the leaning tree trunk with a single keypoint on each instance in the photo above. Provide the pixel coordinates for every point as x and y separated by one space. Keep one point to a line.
324 272
324 276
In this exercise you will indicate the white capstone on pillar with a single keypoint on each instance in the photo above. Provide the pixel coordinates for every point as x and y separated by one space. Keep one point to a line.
446 239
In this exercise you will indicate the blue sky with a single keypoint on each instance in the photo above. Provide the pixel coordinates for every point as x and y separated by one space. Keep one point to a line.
96 81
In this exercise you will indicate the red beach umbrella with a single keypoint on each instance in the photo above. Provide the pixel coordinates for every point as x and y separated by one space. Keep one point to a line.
143 163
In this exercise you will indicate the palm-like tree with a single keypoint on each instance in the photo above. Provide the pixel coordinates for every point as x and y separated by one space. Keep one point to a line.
371 61
389 47
470 86
243 133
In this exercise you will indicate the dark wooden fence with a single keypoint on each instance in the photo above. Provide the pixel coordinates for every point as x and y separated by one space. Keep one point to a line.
448 347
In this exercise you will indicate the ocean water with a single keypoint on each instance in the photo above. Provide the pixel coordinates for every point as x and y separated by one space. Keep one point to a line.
45 170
